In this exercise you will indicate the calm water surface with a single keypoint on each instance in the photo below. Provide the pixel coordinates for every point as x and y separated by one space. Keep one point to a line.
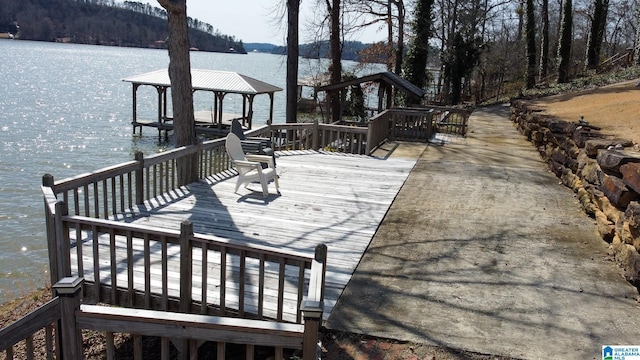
64 110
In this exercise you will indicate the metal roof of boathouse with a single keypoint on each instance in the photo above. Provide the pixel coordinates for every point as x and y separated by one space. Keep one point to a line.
209 80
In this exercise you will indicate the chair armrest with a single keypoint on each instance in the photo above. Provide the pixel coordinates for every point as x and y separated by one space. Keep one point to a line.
261 159
242 163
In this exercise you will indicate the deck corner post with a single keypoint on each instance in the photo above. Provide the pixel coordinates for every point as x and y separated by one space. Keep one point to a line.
312 314
47 180
186 273
63 249
69 291
139 158
50 225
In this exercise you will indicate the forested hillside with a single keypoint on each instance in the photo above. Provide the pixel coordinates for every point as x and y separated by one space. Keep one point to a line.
320 49
105 22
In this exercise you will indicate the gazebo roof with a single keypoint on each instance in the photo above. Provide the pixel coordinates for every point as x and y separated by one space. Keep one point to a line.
385 77
209 80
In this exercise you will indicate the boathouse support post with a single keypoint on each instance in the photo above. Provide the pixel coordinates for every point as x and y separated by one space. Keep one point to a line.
135 109
69 291
139 158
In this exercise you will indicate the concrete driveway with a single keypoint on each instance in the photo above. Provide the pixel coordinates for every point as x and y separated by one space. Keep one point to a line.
483 250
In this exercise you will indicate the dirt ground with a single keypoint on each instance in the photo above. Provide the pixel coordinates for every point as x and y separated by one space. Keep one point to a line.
614 108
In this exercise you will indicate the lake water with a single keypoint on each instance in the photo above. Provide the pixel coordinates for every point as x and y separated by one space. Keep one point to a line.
64 110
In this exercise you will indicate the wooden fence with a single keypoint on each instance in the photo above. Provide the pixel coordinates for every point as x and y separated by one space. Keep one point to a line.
63 318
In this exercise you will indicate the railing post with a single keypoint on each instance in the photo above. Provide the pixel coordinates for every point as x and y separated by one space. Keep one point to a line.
186 273
48 181
139 157
69 290
313 306
315 137
62 242
312 314
371 138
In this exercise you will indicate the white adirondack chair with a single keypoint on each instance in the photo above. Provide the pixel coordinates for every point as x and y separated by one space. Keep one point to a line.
249 166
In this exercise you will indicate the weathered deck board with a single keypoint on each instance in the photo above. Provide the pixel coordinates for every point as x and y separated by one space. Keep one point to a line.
335 199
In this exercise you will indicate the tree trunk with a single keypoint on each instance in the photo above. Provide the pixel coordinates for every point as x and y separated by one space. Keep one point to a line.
531 45
181 89
544 40
400 46
293 11
596 33
336 56
566 38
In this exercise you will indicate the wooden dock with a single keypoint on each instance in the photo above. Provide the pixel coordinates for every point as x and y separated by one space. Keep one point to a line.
326 198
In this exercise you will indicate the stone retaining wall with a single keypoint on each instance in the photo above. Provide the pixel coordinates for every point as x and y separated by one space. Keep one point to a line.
603 171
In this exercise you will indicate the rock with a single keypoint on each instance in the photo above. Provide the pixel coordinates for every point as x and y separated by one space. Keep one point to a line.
606 228
592 146
627 256
611 160
632 215
558 126
617 192
590 171
604 205
631 175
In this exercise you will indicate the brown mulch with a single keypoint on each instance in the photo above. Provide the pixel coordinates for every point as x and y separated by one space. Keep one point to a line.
614 108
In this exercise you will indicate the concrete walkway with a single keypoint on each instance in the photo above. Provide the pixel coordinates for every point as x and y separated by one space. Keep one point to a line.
483 250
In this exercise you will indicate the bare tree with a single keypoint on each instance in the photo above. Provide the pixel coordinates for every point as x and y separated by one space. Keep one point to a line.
392 13
293 11
181 89
596 33
335 48
566 39
544 40
531 45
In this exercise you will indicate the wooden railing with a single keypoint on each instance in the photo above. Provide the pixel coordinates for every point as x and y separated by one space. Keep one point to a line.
448 120
411 124
176 270
186 331
110 191
134 265
42 320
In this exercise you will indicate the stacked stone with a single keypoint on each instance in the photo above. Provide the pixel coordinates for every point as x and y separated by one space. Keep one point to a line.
604 173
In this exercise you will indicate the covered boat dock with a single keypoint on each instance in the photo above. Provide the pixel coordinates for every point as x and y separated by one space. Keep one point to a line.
221 83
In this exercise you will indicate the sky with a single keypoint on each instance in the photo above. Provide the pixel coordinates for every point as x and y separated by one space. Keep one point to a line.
252 21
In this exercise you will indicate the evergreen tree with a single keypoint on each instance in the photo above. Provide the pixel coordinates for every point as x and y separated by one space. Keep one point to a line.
415 69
